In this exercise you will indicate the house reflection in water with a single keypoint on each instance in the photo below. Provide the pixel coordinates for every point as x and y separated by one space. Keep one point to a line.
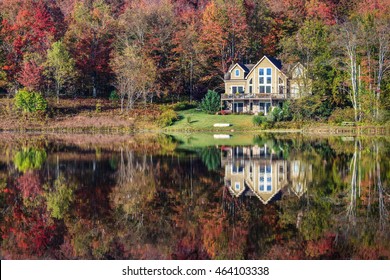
263 172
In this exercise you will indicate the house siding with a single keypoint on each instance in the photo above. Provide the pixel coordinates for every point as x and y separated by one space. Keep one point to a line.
271 95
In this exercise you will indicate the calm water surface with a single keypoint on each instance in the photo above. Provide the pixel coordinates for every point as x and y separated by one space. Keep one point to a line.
271 197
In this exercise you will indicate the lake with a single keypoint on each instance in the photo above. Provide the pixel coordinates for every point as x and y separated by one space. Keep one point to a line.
195 196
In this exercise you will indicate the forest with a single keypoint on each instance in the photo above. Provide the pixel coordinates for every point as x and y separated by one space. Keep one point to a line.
174 50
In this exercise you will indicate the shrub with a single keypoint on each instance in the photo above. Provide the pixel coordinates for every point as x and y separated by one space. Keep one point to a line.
113 96
184 105
342 115
167 118
258 120
263 121
98 107
211 102
282 113
30 101
224 112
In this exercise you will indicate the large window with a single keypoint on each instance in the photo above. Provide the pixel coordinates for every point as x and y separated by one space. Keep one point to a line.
237 89
265 80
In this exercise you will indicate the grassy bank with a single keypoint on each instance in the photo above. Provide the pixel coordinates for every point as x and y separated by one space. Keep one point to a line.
194 120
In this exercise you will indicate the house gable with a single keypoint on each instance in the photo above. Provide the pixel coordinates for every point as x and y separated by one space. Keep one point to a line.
276 63
238 72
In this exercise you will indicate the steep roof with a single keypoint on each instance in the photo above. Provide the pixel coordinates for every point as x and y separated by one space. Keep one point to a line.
248 67
275 61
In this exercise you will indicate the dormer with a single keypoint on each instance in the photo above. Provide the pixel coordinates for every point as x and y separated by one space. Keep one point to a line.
238 72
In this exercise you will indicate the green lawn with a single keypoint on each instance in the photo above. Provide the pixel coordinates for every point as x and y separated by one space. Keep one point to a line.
204 122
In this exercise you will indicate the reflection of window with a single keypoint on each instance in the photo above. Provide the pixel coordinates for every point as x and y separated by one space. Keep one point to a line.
262 169
237 73
296 168
238 168
237 186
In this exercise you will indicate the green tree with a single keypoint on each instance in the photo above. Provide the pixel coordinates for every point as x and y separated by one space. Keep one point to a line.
211 102
60 65
30 101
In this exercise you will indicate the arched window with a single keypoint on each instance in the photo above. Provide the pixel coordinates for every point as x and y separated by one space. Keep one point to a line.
237 73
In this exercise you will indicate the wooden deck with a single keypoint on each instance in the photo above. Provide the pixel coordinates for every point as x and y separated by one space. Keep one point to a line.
257 96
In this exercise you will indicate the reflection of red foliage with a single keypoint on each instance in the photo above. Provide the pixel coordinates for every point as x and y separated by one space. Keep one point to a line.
322 248
28 234
289 251
29 185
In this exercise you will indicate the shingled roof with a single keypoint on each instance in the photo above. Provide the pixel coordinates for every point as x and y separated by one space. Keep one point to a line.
248 67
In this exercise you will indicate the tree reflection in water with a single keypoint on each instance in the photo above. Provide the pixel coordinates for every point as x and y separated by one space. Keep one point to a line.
279 198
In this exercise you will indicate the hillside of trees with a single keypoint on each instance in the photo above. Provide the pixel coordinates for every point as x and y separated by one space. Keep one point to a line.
177 49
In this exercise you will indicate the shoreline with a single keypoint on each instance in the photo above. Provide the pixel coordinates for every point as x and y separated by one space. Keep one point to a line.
330 130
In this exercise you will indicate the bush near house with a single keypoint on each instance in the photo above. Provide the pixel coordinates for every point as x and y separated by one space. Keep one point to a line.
263 122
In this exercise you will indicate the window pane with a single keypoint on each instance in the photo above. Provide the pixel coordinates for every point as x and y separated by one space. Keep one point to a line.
261 188
269 188
261 80
250 89
237 73
262 89
268 89
268 80
262 169
268 71
261 179
261 71
268 169
269 179
241 89
234 89
250 81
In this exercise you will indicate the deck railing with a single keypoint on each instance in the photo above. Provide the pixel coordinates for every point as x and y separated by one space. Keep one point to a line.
254 96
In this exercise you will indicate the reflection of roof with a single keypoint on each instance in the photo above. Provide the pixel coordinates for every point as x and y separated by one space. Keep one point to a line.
247 190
